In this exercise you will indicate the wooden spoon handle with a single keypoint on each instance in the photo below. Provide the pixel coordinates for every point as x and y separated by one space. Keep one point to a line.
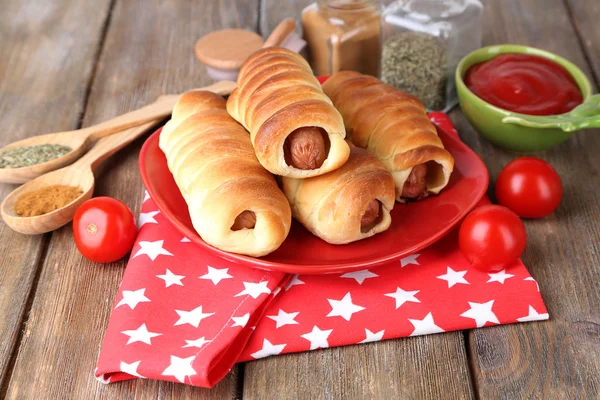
108 146
161 108
280 32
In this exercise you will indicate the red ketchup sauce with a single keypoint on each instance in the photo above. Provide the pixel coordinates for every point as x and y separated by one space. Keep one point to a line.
525 84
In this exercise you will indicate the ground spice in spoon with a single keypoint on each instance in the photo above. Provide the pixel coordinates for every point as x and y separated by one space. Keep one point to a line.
26 156
45 200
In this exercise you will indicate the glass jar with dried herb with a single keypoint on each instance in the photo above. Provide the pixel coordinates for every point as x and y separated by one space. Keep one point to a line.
423 41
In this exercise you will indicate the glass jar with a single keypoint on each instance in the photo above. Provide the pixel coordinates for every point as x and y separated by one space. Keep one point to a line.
423 41
343 35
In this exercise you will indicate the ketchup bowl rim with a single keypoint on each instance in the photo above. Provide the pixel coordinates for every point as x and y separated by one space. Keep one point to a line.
490 52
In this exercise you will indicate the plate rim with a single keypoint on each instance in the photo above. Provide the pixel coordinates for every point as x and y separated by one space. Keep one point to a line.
320 269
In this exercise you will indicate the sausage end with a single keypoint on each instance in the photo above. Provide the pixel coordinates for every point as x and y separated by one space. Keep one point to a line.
306 148
372 216
245 220
415 187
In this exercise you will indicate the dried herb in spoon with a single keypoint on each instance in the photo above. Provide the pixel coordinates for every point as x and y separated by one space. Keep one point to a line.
26 156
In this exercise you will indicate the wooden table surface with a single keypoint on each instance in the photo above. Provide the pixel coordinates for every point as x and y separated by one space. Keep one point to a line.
65 64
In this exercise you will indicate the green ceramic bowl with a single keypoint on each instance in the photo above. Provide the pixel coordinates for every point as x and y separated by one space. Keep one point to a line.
488 119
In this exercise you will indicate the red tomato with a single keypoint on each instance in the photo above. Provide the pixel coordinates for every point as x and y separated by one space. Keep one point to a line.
492 237
530 187
104 229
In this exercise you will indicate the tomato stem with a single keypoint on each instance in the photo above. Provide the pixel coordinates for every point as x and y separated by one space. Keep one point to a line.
92 229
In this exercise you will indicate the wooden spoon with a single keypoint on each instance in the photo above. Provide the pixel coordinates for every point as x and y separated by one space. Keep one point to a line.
280 33
78 174
79 140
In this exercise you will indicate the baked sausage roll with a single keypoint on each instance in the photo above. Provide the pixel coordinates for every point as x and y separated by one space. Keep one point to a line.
394 126
234 203
345 205
295 129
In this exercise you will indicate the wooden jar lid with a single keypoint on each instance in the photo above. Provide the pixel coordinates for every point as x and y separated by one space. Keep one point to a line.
228 48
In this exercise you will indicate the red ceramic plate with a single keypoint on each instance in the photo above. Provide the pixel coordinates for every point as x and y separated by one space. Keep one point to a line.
414 226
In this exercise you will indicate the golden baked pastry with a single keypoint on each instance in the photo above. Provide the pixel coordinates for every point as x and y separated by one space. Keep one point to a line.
295 130
394 126
234 203
345 205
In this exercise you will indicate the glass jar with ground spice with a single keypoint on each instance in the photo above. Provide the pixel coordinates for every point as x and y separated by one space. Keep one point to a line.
423 42
343 35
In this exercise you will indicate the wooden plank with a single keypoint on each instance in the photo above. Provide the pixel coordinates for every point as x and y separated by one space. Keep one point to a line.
424 367
148 51
46 60
558 358
585 15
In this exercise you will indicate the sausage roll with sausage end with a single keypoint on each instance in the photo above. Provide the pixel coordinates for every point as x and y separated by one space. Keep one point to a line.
394 126
234 203
345 205
295 130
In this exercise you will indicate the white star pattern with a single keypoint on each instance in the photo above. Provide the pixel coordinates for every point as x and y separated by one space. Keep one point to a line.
146 196
453 277
254 289
531 279
434 119
317 338
240 321
481 313
192 317
425 326
180 368
158 316
282 318
130 369
343 308
412 259
147 218
293 282
152 249
499 277
216 275
196 343
268 349
140 334
360 276
133 298
372 337
533 316
171 279
101 378
403 296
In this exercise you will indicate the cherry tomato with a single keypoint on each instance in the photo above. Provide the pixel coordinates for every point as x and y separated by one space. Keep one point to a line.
530 187
492 237
104 229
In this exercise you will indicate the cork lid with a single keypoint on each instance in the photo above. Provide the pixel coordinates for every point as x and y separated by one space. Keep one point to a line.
228 48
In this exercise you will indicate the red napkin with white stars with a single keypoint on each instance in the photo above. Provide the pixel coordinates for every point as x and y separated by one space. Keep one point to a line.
185 315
